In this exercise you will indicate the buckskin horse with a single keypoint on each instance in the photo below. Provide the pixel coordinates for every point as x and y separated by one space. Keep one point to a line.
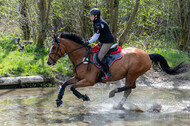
134 63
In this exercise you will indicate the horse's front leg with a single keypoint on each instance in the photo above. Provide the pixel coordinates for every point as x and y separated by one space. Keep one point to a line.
62 90
82 83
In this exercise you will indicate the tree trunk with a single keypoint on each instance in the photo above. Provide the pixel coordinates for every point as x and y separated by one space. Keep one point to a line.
183 14
114 18
44 9
188 20
24 19
110 15
125 32
23 80
85 26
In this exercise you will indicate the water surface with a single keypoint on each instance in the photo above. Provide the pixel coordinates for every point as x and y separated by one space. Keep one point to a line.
36 106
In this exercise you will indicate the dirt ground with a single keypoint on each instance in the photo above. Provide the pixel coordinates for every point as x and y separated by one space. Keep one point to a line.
160 79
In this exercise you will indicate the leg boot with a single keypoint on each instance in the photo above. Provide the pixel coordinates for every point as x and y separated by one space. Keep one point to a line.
106 69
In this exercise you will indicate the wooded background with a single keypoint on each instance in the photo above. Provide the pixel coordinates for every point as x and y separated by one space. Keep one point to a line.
35 20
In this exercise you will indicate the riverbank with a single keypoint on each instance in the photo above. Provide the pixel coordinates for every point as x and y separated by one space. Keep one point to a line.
159 79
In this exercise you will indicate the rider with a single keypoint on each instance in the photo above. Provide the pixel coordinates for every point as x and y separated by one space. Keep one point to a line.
102 33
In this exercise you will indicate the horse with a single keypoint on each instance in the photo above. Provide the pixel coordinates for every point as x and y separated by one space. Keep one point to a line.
134 63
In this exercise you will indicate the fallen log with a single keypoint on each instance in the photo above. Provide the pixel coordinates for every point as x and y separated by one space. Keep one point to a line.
24 80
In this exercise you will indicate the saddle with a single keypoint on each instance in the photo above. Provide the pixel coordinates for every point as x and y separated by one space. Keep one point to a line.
113 55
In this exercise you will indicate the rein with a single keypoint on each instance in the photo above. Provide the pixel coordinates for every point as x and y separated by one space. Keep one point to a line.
86 59
71 51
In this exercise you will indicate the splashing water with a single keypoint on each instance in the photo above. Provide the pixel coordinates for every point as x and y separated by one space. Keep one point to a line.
36 106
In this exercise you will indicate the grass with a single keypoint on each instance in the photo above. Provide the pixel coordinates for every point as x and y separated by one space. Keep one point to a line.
173 56
30 61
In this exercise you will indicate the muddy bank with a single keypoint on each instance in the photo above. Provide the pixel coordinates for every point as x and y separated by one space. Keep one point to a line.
159 79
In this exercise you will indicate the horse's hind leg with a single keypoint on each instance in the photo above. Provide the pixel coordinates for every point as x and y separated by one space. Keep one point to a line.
129 85
126 94
117 90
127 91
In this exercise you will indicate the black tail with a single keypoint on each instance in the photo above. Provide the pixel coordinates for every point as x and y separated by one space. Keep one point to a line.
157 58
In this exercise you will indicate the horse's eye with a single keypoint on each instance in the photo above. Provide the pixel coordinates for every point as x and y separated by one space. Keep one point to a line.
54 48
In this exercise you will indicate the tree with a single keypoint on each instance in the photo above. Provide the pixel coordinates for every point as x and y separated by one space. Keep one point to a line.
125 32
110 14
24 20
84 24
43 16
114 17
183 14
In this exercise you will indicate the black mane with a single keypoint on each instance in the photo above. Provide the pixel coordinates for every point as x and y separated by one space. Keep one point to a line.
72 37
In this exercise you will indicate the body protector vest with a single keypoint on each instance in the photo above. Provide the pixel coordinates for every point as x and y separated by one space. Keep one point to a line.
101 27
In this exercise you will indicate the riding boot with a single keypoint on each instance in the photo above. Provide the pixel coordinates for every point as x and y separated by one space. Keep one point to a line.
106 69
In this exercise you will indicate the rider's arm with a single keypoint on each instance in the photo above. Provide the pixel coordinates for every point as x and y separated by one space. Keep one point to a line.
94 37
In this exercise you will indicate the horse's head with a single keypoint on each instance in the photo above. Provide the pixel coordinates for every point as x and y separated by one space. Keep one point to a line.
56 51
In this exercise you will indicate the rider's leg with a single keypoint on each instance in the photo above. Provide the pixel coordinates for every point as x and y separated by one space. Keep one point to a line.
103 51
105 66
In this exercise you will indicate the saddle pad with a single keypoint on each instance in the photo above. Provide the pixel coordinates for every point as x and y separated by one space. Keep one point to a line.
110 58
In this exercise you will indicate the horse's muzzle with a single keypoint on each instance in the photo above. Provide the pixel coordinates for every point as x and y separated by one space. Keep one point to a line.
50 63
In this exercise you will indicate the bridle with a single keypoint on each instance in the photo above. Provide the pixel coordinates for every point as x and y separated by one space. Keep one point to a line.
59 49
86 59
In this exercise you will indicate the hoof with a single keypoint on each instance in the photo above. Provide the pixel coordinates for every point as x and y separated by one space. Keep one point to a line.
58 102
112 94
85 98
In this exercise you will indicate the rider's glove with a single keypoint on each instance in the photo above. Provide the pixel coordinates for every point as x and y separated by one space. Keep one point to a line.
86 43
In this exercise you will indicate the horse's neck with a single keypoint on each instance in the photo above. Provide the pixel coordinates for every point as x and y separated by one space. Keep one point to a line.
76 54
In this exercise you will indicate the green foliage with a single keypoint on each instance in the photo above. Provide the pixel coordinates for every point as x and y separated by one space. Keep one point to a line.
8 42
173 56
155 18
30 61
149 42
64 67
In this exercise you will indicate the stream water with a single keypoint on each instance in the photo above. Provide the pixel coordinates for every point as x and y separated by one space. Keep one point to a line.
36 106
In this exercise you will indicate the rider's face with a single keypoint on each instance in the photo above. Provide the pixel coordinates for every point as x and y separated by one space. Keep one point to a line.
93 17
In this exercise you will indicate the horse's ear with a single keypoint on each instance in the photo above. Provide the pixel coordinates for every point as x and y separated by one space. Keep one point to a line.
55 38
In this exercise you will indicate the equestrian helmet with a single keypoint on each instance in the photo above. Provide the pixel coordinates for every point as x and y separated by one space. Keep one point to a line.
95 11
